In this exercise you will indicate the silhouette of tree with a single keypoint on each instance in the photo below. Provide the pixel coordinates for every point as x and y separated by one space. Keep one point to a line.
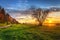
39 14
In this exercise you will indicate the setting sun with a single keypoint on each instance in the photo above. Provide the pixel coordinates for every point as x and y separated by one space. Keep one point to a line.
52 19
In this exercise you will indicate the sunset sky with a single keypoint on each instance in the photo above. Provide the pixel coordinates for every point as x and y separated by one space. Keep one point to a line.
53 17
24 4
15 6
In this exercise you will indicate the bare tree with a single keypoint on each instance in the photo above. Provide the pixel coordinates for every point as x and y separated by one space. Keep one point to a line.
45 13
39 14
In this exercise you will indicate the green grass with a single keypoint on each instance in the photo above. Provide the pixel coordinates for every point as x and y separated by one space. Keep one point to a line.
29 32
3 24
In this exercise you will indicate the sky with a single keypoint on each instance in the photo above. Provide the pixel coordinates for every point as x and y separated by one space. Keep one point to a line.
18 5
15 6
24 4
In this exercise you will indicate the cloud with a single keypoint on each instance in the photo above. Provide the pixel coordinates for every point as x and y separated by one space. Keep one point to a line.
10 8
58 6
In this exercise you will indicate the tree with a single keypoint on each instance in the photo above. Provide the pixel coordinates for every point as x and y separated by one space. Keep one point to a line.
39 14
45 13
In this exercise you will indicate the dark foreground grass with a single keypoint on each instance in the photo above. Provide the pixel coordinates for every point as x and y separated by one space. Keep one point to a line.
29 32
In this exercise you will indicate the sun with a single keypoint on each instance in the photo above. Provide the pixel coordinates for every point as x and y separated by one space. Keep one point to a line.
50 21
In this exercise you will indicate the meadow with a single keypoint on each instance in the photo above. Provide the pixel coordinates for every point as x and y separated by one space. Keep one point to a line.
29 32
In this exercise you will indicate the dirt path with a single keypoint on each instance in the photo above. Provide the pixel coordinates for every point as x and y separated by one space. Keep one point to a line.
5 26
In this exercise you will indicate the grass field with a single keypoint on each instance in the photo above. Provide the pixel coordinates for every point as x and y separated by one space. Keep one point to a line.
3 24
29 32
